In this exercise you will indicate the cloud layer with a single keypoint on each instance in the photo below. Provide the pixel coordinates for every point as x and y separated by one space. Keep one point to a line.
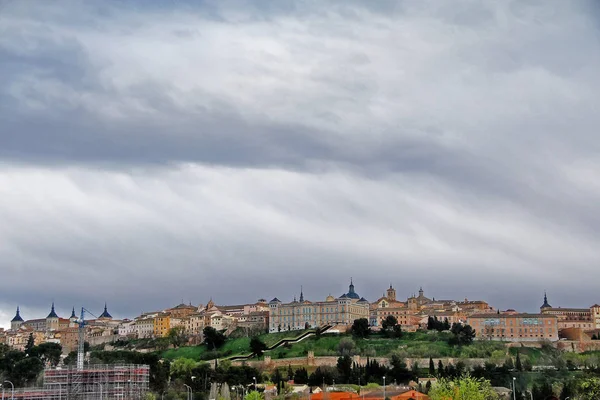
158 152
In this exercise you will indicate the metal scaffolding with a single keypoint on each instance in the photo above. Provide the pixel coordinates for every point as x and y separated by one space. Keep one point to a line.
93 382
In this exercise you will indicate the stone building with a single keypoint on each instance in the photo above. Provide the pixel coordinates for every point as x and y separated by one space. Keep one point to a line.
300 314
515 327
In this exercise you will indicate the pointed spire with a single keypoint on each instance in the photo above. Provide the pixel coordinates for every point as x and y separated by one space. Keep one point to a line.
105 313
546 304
52 312
73 316
301 295
17 317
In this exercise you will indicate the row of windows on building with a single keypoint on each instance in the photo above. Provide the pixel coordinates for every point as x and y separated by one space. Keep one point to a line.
521 330
308 311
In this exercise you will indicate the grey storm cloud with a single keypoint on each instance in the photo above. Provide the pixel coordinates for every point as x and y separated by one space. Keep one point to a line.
153 152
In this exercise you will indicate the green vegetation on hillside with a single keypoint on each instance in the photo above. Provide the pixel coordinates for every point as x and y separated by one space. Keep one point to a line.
410 345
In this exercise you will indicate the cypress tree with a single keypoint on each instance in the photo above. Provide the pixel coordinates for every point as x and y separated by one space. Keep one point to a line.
518 364
440 369
431 367
30 342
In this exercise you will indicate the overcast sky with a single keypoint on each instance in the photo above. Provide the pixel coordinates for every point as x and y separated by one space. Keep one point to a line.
154 152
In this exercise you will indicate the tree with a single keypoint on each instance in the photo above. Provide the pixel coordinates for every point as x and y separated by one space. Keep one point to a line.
567 391
30 343
48 353
346 347
360 327
388 324
322 374
430 323
440 371
254 395
509 363
71 358
257 346
277 380
182 368
431 367
589 389
518 364
446 324
527 365
466 387
344 367
212 338
390 327
301 376
462 334
177 336
25 371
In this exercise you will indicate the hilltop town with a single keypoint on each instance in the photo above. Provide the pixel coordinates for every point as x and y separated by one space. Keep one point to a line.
420 343
580 326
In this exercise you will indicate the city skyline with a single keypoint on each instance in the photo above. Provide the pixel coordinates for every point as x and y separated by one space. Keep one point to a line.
153 151
65 312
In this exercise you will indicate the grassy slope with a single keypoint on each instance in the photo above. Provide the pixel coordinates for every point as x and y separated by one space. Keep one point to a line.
411 345
238 346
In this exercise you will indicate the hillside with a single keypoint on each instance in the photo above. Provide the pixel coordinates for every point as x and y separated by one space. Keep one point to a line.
417 345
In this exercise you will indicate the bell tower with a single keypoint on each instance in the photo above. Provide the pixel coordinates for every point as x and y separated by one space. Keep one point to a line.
17 321
391 293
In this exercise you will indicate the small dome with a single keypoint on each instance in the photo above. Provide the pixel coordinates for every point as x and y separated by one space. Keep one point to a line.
330 298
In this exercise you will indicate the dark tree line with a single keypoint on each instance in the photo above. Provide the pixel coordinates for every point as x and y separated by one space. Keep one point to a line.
22 368
434 324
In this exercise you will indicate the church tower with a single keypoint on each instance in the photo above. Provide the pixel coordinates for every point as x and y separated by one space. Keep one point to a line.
546 304
73 319
17 321
52 320
391 293
105 314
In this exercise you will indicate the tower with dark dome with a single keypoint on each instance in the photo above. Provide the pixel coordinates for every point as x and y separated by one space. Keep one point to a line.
351 293
52 320
17 321
546 304
105 314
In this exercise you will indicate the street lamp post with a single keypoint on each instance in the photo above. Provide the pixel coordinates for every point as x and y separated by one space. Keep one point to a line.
12 390
514 388
188 391
255 384
384 388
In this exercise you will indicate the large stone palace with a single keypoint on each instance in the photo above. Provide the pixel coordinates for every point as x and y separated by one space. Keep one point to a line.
302 314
